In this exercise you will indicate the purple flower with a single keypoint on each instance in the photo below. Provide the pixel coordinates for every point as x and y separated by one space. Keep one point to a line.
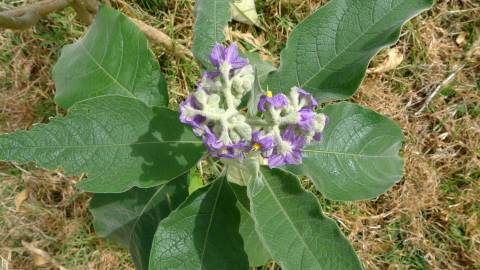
211 74
194 121
306 112
264 144
309 100
277 101
220 55
210 139
307 118
230 151
291 156
290 135
276 160
218 149
317 136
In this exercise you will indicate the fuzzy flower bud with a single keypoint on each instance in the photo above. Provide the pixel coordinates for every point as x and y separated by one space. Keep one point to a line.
243 80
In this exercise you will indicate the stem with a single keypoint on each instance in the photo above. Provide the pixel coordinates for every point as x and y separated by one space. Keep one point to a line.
214 164
291 118
257 122
158 37
27 16
212 115
227 90
276 134
275 115
86 10
225 137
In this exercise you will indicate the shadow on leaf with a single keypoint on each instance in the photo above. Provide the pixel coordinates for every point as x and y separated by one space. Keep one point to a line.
168 148
216 236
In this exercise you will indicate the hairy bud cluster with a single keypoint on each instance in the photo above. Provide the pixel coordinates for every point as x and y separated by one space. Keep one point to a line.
279 130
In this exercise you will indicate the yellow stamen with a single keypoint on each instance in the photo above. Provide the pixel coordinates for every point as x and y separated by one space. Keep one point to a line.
269 94
256 147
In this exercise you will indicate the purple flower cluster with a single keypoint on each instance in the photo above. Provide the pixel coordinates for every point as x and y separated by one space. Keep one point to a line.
296 125
276 135
194 112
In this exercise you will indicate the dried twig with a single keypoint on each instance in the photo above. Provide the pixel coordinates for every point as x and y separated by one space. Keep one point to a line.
155 35
438 88
160 38
27 16
86 10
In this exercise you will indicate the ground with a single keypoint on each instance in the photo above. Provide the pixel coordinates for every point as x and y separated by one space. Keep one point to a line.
429 220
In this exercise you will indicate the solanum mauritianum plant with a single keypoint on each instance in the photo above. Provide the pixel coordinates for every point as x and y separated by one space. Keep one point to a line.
266 125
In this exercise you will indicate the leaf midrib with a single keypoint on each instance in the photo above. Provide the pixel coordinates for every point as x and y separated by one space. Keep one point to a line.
262 241
324 67
348 154
147 205
105 145
124 88
290 221
207 233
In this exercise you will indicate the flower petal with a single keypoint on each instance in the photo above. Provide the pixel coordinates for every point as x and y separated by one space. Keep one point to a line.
217 57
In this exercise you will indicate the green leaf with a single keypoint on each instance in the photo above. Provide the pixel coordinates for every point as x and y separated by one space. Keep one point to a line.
290 222
118 141
195 182
328 53
261 67
211 17
112 58
357 157
202 233
244 11
131 218
256 252
241 172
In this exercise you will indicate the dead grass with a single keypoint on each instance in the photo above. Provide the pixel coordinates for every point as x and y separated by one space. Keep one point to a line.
430 220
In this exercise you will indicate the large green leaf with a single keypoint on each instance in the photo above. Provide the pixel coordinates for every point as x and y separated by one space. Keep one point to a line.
112 58
211 17
131 218
357 157
203 233
261 66
256 251
290 222
328 53
118 141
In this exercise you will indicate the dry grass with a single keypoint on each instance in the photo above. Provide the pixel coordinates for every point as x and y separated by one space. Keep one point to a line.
430 220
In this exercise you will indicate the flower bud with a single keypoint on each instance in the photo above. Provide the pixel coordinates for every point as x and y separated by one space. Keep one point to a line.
243 80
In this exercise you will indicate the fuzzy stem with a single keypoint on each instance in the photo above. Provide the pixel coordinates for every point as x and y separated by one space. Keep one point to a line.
258 122
227 89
